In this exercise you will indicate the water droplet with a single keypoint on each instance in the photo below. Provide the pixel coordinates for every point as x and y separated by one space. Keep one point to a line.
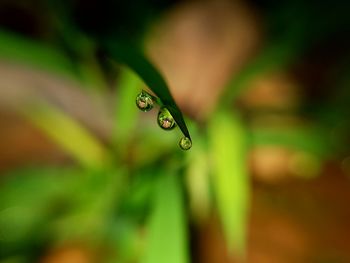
185 143
165 120
144 101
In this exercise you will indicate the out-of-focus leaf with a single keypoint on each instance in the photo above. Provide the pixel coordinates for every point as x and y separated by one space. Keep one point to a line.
93 212
18 48
167 235
197 179
281 50
29 199
126 110
60 203
125 235
307 139
69 134
134 59
230 178
271 57
33 53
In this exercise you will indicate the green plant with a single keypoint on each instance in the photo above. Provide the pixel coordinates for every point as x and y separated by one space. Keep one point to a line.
131 195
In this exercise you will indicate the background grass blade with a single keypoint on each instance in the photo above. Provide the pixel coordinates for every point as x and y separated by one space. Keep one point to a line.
230 178
308 139
126 112
18 48
69 135
167 235
198 181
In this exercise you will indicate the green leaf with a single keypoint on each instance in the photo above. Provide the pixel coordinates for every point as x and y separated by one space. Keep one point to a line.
309 139
198 181
230 178
24 50
126 114
69 135
46 57
167 235
136 61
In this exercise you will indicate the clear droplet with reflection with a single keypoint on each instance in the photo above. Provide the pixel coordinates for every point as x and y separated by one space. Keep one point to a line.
144 101
165 120
185 143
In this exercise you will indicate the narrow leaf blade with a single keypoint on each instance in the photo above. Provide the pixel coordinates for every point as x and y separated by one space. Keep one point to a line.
77 141
167 237
136 61
230 178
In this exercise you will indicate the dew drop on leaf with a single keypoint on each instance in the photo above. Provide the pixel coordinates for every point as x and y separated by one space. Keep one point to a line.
144 101
165 120
185 143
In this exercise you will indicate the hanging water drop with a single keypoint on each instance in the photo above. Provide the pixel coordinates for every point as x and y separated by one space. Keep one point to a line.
185 143
165 120
144 101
